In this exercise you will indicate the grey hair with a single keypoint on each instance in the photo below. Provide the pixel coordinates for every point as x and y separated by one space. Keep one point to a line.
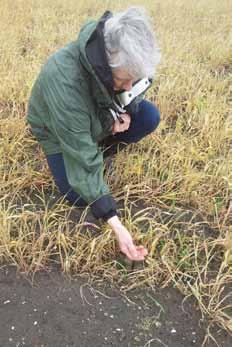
131 43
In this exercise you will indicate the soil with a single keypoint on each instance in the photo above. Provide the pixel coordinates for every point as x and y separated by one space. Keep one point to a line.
55 311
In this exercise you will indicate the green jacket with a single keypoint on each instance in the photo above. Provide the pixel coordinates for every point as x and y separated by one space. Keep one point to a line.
69 113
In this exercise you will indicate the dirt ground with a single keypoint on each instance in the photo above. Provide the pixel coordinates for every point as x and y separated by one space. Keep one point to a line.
58 312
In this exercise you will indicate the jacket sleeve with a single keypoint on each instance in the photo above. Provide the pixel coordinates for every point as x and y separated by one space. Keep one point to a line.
83 159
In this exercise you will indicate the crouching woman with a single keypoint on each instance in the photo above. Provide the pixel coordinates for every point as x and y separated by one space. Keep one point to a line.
70 109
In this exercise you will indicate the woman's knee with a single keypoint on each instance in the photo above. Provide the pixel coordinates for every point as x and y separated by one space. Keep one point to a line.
151 116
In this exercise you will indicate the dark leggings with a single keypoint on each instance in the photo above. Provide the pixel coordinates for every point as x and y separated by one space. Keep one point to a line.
143 122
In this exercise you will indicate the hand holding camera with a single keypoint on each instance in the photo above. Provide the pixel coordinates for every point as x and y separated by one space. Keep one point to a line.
118 126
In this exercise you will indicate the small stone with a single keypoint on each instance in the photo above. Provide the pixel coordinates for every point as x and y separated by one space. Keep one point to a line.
112 316
105 338
194 341
12 328
118 329
173 331
193 333
6 302
35 322
23 302
35 309
105 314
10 339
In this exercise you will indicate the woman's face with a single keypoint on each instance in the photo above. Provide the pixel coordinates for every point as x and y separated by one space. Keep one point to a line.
122 79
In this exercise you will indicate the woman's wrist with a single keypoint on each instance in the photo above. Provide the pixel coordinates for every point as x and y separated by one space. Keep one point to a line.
115 223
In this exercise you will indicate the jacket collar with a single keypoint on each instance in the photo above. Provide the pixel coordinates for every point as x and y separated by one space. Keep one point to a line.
96 54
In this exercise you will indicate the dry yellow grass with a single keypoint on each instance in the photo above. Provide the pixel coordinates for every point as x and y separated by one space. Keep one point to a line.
182 173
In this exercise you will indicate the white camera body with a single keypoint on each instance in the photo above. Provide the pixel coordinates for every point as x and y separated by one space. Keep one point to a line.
124 99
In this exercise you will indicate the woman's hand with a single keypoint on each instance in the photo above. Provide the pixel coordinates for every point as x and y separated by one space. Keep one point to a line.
125 241
120 127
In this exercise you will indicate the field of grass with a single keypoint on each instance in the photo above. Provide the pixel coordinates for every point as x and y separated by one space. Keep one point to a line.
180 176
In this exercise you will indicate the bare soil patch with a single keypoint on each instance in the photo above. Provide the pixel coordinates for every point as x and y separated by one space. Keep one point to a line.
54 310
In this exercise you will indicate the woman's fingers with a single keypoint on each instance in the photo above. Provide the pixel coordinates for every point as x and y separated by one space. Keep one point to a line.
142 250
121 127
126 251
126 119
131 252
136 254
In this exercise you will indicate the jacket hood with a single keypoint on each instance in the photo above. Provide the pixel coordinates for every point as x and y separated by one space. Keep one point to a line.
93 54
